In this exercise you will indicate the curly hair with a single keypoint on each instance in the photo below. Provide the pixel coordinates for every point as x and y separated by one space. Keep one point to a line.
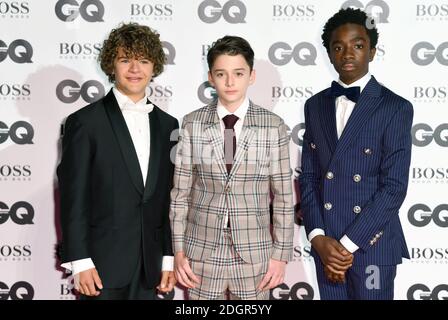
350 15
137 41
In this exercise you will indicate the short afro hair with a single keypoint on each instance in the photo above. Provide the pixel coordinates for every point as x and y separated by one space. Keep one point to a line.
350 15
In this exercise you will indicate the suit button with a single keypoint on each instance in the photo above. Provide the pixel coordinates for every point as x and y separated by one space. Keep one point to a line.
356 178
328 206
312 145
227 189
368 151
330 175
356 209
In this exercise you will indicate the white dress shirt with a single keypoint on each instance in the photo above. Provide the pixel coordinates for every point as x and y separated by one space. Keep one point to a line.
344 108
137 121
240 112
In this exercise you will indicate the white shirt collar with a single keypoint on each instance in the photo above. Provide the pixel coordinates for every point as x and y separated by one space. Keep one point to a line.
124 100
240 112
358 83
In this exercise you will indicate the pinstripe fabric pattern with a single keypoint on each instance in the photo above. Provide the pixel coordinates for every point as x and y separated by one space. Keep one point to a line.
225 270
204 193
369 168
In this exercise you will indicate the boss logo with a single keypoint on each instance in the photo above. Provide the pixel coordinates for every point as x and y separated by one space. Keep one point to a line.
423 135
233 11
90 10
432 10
439 254
160 91
15 251
291 92
69 91
299 291
424 53
302 252
15 90
77 49
14 7
420 215
19 291
429 173
430 92
148 9
20 132
422 292
15 171
20 213
291 10
281 53
19 51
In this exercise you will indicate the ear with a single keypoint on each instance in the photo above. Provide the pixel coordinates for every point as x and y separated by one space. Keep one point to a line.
252 76
372 54
210 79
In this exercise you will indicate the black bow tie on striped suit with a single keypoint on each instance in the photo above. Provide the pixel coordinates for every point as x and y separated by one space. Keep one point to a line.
352 93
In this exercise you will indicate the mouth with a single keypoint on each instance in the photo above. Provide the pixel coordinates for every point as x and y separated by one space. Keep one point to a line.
348 67
134 79
231 91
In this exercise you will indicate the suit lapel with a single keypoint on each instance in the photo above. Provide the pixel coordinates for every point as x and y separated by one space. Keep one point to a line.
214 135
327 116
155 153
368 102
124 140
247 134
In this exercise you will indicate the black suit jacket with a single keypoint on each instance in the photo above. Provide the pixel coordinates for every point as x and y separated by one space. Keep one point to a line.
106 212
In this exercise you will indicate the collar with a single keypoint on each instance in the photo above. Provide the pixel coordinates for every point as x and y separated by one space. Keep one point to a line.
124 102
240 112
361 83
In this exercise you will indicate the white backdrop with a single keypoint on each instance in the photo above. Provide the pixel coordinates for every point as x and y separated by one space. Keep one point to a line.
48 69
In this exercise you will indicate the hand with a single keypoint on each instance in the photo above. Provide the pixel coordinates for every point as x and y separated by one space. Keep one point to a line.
183 272
333 275
274 276
85 282
332 253
167 282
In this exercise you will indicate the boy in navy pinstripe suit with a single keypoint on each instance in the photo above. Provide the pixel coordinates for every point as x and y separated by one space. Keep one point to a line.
355 166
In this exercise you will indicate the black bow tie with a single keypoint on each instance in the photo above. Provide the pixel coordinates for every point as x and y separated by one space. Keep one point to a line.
351 93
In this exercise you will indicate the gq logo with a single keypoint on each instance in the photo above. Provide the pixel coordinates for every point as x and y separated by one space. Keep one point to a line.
170 52
379 16
69 91
422 292
233 11
206 93
420 215
424 53
423 134
69 10
19 291
20 51
299 291
21 213
21 132
297 134
304 54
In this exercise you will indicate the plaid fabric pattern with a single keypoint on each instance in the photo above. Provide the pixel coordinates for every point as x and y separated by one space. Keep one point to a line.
204 193
225 270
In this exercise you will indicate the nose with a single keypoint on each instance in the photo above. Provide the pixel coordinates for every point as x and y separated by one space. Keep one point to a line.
134 66
229 81
348 53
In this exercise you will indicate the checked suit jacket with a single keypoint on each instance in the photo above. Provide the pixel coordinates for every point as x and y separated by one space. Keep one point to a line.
204 192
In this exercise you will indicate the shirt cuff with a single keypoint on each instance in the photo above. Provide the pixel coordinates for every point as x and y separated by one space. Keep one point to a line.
315 232
348 244
78 266
168 263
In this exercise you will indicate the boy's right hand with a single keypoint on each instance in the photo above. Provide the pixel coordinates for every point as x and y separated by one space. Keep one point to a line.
332 253
85 282
183 272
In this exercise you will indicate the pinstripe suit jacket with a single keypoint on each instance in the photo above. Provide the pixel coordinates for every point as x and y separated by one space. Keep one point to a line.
355 186
204 193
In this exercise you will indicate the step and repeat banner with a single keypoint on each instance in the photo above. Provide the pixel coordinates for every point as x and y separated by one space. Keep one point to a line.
48 69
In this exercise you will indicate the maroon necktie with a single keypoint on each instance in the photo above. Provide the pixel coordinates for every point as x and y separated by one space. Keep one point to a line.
229 140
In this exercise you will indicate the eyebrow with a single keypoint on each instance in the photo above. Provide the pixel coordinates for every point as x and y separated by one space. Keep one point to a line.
354 39
223 70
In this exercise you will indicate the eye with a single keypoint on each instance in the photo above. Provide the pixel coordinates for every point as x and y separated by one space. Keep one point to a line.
337 48
144 61
124 60
219 74
359 46
239 74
